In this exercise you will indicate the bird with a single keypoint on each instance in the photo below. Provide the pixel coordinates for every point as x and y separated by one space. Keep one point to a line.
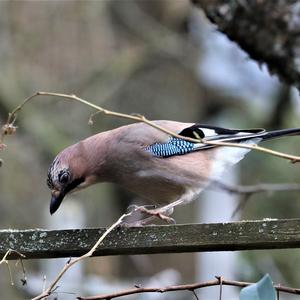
156 166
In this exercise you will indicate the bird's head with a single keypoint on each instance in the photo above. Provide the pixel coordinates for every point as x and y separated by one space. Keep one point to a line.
66 174
78 166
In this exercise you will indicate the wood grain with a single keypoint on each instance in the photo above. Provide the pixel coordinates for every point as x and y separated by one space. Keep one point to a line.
246 235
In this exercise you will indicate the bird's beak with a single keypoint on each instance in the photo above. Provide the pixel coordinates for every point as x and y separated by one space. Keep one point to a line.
56 200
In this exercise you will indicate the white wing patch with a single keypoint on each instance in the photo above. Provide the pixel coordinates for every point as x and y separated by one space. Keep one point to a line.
211 133
208 132
226 157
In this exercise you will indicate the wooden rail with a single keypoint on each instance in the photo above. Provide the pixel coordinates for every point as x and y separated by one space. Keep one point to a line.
246 235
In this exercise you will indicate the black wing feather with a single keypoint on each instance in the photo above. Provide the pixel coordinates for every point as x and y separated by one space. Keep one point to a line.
196 131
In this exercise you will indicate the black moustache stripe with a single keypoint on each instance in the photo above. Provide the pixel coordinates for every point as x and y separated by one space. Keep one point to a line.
71 186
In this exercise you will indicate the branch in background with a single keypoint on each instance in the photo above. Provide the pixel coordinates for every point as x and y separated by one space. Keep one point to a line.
267 30
47 292
9 127
258 188
185 287
246 191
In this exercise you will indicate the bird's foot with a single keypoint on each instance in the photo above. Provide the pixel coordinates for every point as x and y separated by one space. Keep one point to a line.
133 208
140 223
155 213
152 212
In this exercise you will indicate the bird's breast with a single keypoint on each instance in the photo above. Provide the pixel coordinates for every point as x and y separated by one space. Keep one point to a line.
155 186
164 180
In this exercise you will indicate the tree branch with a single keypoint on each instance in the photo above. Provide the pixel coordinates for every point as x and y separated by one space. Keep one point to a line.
5 261
185 287
9 127
267 30
257 188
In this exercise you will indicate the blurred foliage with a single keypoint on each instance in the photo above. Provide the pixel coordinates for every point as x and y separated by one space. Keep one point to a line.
134 57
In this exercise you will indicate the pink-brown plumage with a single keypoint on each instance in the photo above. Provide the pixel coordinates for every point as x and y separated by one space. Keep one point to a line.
121 156
118 156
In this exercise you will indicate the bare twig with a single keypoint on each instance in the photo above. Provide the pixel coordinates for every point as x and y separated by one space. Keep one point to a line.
24 279
220 278
5 261
195 294
258 188
241 205
292 158
71 262
44 283
137 118
246 191
185 287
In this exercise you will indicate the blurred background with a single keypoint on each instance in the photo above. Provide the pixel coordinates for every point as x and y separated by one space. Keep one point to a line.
162 59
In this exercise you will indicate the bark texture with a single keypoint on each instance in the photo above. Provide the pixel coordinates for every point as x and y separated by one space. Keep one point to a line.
269 31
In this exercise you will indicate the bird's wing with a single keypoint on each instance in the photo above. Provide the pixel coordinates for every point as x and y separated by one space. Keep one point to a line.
213 133
177 146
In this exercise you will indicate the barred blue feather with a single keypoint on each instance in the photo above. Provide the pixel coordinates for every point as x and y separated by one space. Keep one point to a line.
175 146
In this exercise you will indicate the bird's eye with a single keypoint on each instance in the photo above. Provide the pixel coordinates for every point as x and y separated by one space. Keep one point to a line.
64 177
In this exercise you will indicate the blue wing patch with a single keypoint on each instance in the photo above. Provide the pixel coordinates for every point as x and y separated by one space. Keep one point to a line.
175 146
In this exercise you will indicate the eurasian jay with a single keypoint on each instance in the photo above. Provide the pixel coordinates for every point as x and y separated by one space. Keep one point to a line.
152 164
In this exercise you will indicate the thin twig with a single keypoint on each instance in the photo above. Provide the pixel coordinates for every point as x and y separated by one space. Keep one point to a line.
135 117
242 202
184 287
44 283
71 262
220 278
5 261
257 188
292 158
195 294
24 279
246 191
139 118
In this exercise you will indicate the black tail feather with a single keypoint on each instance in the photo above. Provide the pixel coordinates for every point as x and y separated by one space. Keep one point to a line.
282 132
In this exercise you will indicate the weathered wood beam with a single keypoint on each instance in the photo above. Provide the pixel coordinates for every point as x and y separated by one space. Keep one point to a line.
246 235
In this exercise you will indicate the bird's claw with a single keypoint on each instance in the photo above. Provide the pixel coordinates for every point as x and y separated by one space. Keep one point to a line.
158 214
149 210
133 208
140 223
165 218
170 220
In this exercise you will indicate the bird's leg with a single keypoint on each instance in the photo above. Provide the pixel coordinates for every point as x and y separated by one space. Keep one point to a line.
133 207
162 213
154 214
158 213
